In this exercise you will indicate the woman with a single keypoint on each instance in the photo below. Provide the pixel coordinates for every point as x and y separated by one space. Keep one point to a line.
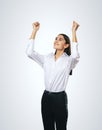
57 68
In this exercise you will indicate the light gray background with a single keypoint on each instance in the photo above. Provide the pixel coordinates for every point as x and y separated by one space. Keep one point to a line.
21 80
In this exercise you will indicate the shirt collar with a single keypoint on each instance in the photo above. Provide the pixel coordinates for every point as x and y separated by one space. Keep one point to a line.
63 55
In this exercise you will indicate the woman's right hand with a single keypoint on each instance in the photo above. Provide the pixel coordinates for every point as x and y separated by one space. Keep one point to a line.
36 26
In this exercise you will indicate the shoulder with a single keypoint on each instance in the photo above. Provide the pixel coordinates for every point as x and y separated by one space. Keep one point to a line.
65 56
50 55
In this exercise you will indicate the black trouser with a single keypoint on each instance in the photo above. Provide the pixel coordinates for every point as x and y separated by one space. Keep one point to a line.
54 110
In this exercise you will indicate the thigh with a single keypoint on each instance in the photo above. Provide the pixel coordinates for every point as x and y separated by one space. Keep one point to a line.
47 115
61 112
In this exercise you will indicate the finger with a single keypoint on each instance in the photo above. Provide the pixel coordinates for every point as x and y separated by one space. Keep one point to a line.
73 22
37 23
77 24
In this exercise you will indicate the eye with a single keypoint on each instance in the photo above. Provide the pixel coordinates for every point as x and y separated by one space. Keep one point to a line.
60 39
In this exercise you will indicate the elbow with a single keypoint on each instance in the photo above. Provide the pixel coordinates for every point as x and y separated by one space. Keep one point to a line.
28 53
75 61
76 56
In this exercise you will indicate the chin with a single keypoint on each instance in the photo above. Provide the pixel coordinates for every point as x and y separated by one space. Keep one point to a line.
56 47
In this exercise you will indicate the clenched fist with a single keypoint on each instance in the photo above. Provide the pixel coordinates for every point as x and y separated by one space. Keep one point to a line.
36 26
75 26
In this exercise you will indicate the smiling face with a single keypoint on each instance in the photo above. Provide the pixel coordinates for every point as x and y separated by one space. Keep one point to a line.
60 43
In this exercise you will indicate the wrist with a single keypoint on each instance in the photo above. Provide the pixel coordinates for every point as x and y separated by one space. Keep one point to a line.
34 31
73 31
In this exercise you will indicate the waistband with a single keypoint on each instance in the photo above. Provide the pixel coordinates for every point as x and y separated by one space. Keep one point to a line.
48 92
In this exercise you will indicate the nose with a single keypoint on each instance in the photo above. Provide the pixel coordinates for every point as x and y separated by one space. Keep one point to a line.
56 41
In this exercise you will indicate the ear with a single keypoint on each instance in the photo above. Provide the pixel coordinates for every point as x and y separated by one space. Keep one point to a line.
66 46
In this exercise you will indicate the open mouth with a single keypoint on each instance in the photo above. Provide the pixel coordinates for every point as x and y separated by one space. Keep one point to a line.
57 44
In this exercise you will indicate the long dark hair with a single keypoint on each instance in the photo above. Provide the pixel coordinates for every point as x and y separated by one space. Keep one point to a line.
68 49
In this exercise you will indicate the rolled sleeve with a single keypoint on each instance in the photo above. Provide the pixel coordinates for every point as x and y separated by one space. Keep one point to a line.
74 54
31 53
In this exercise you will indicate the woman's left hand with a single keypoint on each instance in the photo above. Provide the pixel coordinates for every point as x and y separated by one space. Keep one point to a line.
75 26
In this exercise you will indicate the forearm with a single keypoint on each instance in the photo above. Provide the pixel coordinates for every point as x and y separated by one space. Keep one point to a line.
32 54
74 37
33 34
30 47
74 29
36 26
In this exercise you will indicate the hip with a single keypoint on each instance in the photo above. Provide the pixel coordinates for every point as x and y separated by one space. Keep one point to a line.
55 97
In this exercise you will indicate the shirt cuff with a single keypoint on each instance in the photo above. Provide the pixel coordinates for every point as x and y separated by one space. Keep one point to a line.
75 43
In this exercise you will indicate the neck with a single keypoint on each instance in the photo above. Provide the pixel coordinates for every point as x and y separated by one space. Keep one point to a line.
58 54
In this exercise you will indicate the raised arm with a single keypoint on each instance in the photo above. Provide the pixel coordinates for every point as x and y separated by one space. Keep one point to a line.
31 53
36 27
74 46
74 29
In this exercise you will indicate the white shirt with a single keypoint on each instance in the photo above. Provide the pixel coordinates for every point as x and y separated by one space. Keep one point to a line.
56 73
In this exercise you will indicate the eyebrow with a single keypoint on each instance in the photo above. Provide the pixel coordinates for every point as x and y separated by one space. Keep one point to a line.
59 38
